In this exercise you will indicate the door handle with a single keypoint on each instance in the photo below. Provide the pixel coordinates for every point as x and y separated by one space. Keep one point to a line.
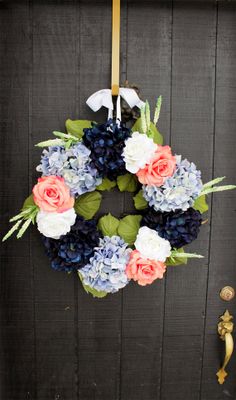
225 329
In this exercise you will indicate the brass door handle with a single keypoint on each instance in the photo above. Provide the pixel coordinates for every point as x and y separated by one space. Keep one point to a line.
225 328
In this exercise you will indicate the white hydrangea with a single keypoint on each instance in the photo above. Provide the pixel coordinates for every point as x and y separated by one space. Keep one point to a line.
53 224
138 151
151 245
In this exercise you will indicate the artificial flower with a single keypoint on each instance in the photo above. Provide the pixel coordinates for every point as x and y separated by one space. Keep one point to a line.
138 151
51 194
54 224
105 271
72 251
73 164
179 191
144 270
159 168
178 227
151 245
106 143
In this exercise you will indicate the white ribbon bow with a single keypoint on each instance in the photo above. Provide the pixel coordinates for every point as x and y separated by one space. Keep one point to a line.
103 98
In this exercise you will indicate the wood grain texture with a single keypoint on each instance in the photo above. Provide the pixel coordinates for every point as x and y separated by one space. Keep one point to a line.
148 55
53 99
157 342
192 125
223 219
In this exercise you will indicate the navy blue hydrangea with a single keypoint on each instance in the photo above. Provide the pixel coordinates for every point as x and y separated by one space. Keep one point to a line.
72 251
179 227
106 143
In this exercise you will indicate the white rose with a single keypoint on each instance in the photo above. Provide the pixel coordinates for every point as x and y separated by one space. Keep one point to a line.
138 151
151 245
53 224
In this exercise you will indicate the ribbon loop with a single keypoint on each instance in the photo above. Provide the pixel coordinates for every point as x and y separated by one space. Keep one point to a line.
103 98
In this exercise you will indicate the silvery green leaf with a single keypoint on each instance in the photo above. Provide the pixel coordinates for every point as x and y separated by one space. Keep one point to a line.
157 110
49 143
12 230
213 182
143 120
22 230
21 215
173 261
217 189
65 135
175 253
147 115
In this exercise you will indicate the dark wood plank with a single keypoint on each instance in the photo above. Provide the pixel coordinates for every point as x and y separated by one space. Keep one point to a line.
99 332
148 66
17 365
193 82
223 237
53 100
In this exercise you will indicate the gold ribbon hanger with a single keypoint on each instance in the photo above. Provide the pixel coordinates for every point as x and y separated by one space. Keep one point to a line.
115 64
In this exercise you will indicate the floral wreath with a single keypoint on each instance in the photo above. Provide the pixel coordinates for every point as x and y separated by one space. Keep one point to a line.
79 165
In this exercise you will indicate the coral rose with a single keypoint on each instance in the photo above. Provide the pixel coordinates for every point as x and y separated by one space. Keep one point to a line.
161 166
144 271
52 195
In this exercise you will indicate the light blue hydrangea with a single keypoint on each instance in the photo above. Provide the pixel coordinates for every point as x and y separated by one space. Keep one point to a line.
73 164
179 191
106 270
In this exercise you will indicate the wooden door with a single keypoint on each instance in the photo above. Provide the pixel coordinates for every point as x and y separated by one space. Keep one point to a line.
153 343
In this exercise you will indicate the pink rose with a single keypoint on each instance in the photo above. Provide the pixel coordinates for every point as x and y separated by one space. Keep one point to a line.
51 194
145 271
161 166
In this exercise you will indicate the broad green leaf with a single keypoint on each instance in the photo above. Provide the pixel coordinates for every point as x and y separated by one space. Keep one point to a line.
108 225
128 228
139 202
50 142
157 110
200 204
22 230
88 204
138 127
76 127
217 189
28 202
106 184
127 183
12 230
155 134
213 182
92 291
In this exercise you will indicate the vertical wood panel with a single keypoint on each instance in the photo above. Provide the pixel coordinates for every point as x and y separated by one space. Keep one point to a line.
53 100
17 313
193 81
223 237
148 65
99 334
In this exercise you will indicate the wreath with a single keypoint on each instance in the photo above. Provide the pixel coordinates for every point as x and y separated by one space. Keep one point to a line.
107 253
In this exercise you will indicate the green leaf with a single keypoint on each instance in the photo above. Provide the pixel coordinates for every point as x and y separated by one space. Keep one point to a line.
217 189
92 291
51 142
200 204
177 260
147 115
88 204
213 182
108 225
157 110
137 127
155 134
127 182
65 136
12 230
106 184
76 127
128 228
29 202
139 202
